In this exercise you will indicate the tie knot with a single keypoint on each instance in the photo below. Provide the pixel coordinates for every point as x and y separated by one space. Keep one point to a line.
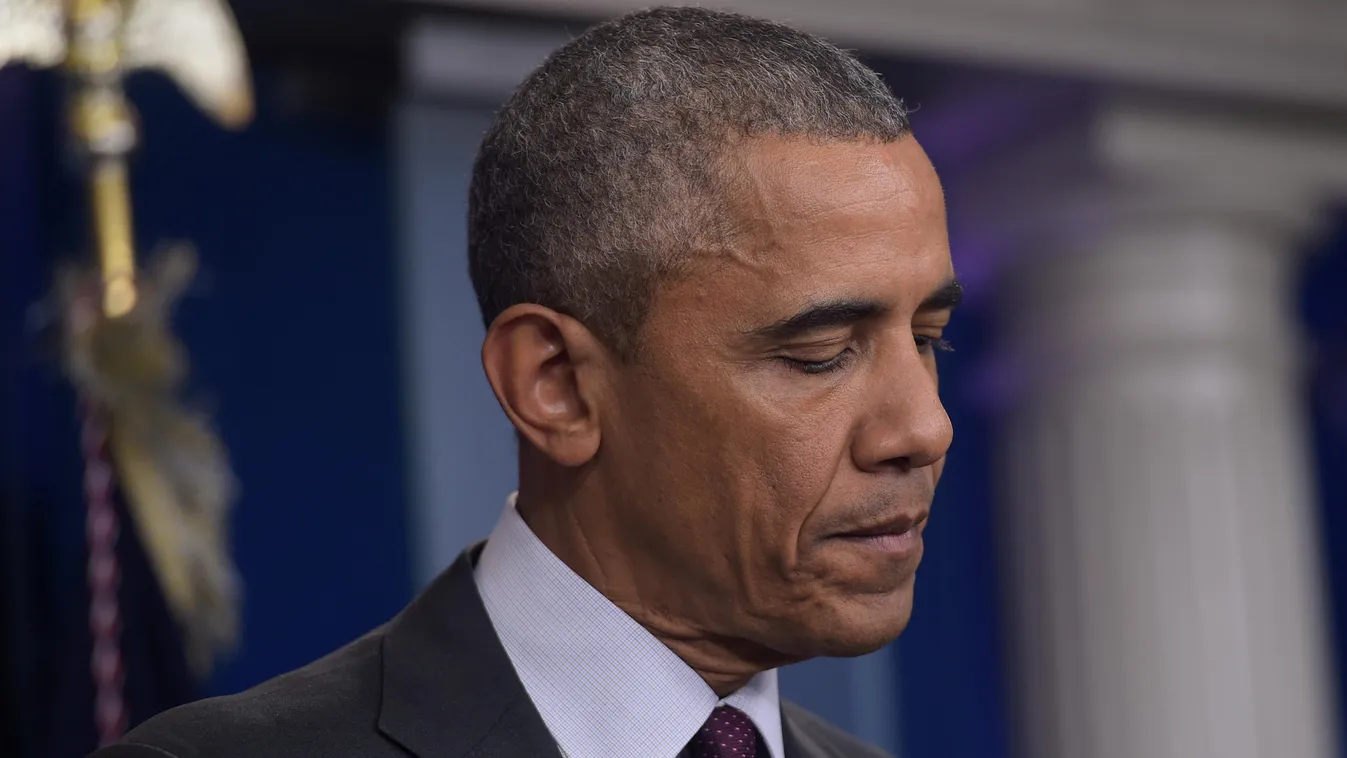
729 733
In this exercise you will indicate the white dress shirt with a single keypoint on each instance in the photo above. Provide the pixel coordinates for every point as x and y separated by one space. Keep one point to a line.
604 686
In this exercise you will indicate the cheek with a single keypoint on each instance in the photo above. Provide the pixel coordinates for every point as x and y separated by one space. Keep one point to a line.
788 461
741 466
768 464
675 457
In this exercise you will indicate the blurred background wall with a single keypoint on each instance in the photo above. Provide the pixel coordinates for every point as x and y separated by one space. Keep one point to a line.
1134 549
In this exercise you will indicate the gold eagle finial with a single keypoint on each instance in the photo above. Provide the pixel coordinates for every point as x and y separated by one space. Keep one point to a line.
195 42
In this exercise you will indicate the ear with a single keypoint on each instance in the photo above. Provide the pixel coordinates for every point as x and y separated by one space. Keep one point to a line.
547 372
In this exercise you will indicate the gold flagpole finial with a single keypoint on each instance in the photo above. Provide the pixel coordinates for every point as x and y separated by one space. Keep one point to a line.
195 42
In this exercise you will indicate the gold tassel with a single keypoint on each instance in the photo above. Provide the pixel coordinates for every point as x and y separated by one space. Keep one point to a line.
171 465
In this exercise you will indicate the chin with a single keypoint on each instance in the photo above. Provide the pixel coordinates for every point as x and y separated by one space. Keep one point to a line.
857 624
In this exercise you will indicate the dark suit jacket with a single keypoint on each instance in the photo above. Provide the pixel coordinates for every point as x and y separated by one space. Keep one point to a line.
432 683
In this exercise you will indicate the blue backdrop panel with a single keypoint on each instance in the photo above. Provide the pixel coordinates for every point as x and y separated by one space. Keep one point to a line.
949 659
1324 311
294 337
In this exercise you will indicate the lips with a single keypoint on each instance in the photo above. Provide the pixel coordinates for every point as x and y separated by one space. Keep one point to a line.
899 537
900 524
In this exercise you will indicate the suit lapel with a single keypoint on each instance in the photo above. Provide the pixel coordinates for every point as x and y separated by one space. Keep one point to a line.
793 742
449 689
795 739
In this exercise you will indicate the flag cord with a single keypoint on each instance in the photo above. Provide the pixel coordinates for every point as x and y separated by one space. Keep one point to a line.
104 577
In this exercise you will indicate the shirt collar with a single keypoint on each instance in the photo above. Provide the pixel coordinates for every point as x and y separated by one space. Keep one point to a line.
602 683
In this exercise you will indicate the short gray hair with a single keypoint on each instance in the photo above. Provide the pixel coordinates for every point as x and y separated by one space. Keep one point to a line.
606 169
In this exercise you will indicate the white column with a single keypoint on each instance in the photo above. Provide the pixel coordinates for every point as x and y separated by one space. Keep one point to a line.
1160 541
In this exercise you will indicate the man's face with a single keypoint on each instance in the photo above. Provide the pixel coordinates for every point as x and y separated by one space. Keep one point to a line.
778 442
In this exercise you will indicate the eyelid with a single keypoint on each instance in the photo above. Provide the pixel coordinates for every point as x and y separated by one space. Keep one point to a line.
827 365
818 347
818 344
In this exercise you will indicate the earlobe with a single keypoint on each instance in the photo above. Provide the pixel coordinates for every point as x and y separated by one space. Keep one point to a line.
540 366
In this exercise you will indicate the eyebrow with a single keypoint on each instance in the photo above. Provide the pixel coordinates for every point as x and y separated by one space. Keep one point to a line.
944 298
832 314
820 316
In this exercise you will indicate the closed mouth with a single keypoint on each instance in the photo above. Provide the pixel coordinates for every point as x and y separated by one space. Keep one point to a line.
901 524
898 538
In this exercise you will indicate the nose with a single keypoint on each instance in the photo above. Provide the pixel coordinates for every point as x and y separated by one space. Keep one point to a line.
904 425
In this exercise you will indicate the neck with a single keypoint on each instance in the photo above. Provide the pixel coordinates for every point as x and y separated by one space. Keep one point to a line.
580 531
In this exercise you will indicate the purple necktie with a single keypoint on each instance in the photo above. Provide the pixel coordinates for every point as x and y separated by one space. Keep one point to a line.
727 734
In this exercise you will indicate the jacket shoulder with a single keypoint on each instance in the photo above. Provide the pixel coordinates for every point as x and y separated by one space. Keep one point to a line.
326 708
819 739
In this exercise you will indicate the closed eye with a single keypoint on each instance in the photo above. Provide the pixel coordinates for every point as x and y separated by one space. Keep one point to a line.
818 367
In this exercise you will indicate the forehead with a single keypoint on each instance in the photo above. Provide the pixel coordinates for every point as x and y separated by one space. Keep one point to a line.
818 221
791 185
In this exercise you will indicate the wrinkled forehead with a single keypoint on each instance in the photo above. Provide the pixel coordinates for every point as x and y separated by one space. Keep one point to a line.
815 222
815 217
808 181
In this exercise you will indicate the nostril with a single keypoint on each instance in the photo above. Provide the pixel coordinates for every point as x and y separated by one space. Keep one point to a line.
902 464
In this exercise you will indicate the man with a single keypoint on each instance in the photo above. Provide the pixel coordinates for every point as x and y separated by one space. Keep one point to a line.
715 270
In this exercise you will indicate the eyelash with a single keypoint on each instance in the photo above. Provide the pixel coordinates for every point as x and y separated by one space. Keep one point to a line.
934 343
924 345
819 367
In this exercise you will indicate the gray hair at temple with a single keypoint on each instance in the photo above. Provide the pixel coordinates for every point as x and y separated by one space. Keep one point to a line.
613 162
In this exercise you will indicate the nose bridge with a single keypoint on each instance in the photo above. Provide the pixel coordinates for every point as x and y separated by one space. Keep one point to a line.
907 421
